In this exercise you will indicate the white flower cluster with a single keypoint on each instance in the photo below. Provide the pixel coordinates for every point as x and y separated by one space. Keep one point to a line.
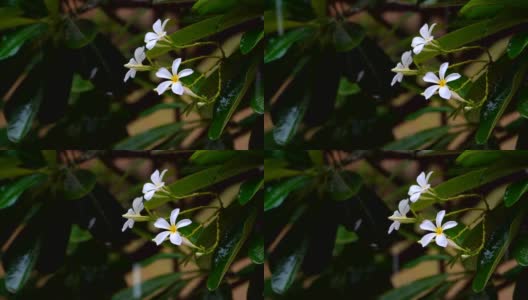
171 229
439 82
400 215
174 78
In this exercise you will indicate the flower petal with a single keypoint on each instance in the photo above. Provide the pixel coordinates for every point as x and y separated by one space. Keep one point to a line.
162 223
139 54
129 74
403 207
441 240
414 189
165 24
157 26
449 225
177 88
155 177
431 77
162 236
151 44
174 215
175 65
147 187
163 73
185 73
431 29
183 223
128 224
430 91
392 226
424 31
149 195
414 197
176 239
445 93
439 217
427 225
406 58
421 180
417 49
397 78
426 239
417 41
149 37
428 176
162 87
443 69
137 205
451 77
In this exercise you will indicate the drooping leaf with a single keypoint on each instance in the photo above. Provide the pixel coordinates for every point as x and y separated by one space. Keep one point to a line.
414 288
517 44
23 114
256 249
277 47
520 250
248 189
11 43
419 139
250 39
276 193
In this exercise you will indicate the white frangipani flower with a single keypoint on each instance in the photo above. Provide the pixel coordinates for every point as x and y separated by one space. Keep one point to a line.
440 83
406 61
135 63
419 42
403 209
438 230
415 191
151 38
171 229
174 78
137 207
150 188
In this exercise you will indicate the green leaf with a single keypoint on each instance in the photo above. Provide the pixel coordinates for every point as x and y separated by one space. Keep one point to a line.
347 88
53 6
287 261
474 32
495 248
79 85
78 184
348 36
148 287
276 193
428 109
20 259
148 138
345 236
10 43
206 28
230 244
343 185
498 100
250 39
207 177
204 7
257 101
514 192
485 8
520 251
79 33
415 288
522 104
418 140
277 46
14 21
276 169
9 193
256 249
22 117
413 263
232 93
248 189
288 119
517 44
211 157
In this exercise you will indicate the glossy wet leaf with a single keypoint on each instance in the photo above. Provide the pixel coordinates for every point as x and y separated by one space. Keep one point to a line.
205 28
9 193
231 241
415 288
256 249
517 44
500 96
343 185
11 43
495 248
22 116
277 46
148 287
250 39
288 121
248 189
347 36
514 192
79 33
520 250
78 183
207 177
232 93
287 260
148 138
257 101
276 193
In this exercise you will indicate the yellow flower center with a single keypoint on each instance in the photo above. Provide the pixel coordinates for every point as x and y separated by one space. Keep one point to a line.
439 231
442 82
173 229
175 78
